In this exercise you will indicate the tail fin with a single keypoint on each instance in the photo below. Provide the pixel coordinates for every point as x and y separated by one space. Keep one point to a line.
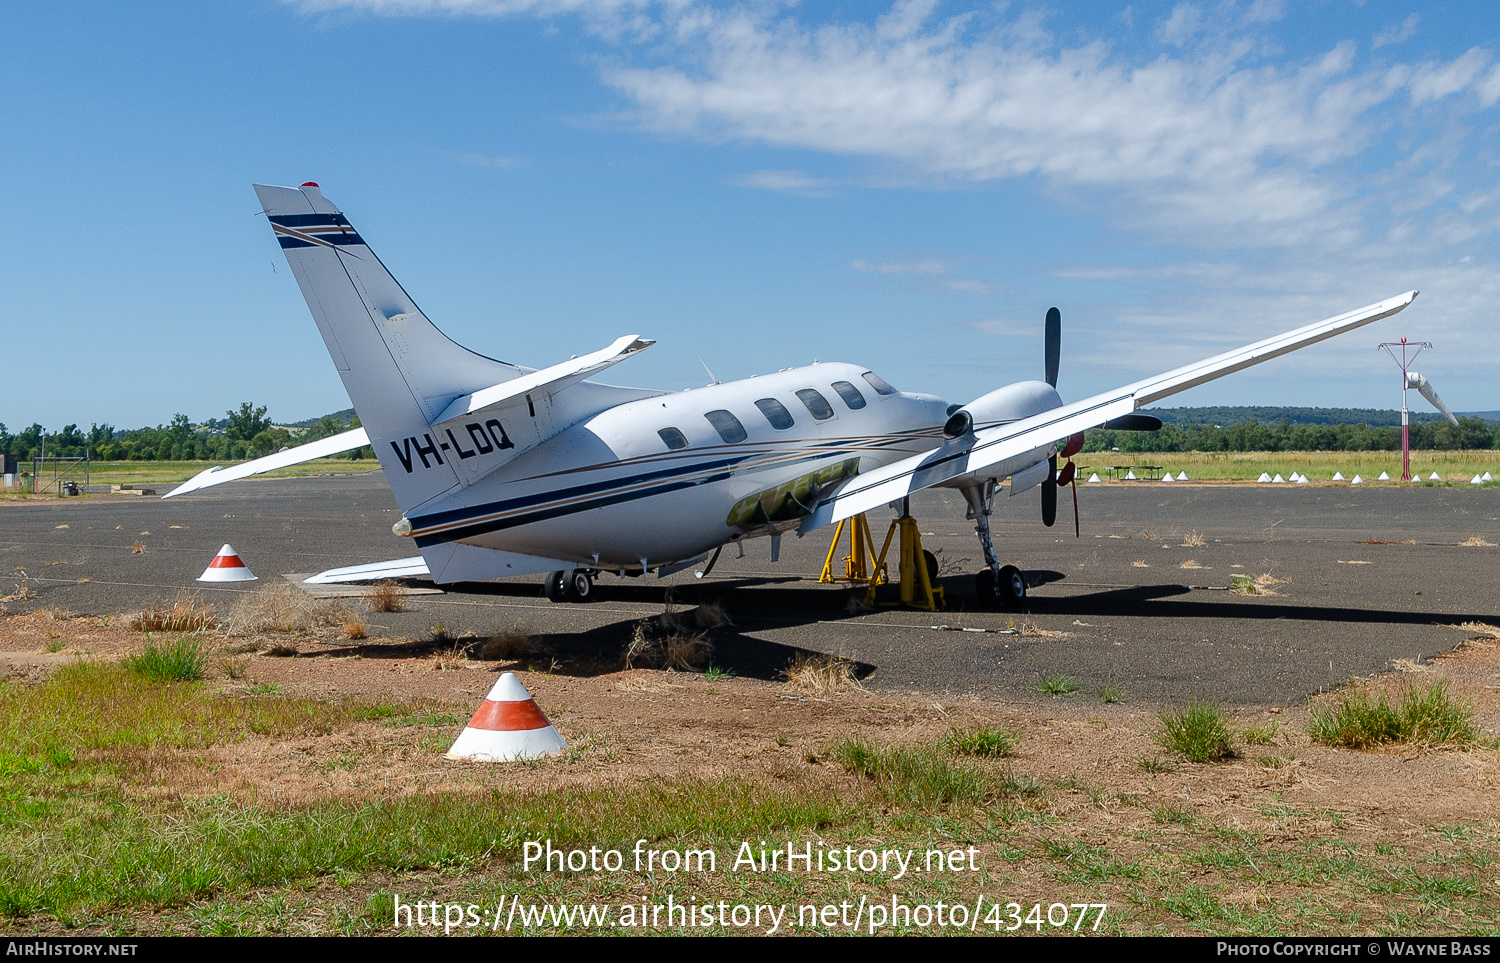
401 372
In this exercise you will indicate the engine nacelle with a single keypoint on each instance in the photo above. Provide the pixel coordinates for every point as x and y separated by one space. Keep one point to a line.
1011 403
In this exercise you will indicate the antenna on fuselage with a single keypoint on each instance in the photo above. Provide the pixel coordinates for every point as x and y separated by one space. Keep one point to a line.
709 370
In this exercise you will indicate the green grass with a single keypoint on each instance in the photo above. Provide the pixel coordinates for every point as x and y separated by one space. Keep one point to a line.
913 775
1198 732
113 819
1261 734
1361 718
1111 693
1246 466
1056 685
178 660
982 741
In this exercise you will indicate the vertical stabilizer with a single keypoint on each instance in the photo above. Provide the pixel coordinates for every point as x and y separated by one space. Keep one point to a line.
401 372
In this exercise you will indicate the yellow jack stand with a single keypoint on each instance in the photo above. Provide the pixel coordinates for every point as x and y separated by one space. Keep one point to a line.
917 590
861 547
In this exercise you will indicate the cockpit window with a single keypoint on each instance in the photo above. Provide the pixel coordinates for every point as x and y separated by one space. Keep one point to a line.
850 394
727 425
816 403
775 413
879 383
673 438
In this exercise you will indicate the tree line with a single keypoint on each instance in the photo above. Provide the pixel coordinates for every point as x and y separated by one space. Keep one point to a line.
1253 435
246 433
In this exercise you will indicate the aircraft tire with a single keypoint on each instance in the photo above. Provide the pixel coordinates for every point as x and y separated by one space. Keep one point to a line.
556 586
932 567
578 586
984 587
1012 586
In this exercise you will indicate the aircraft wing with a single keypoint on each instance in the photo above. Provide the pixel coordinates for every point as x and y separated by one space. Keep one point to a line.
322 448
974 452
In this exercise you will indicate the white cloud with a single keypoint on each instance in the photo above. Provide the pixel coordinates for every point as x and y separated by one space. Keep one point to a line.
922 266
487 160
933 271
1432 81
787 182
1397 32
1199 141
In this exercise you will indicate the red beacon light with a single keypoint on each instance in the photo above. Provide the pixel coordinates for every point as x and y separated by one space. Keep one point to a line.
315 184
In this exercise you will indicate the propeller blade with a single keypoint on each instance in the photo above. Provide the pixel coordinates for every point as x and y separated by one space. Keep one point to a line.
1065 477
1049 494
1133 423
1052 349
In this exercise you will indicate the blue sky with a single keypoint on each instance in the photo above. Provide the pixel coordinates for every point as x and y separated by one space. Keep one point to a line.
909 186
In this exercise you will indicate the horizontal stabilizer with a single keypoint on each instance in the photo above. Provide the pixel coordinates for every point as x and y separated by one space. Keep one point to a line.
322 448
399 568
973 453
548 380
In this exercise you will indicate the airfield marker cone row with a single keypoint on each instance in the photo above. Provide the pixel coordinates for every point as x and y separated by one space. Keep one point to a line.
508 725
226 567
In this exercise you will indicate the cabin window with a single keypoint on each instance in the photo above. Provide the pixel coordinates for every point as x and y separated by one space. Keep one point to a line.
674 439
850 394
775 413
727 425
816 403
878 383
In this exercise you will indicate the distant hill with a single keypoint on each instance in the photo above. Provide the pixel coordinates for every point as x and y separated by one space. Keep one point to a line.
1227 415
346 416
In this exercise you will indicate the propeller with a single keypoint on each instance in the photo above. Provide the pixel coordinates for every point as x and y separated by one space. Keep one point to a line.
1051 349
1051 355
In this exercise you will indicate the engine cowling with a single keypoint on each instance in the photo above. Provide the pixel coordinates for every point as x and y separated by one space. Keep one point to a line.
1010 403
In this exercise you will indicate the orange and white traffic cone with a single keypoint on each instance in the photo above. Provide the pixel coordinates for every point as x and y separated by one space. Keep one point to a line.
226 567
507 726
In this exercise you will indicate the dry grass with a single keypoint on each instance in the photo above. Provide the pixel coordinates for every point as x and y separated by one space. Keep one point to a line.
386 596
652 648
821 676
1139 563
1193 540
23 590
711 615
1036 631
282 607
1476 542
354 628
1257 585
1191 563
451 656
508 645
137 548
185 615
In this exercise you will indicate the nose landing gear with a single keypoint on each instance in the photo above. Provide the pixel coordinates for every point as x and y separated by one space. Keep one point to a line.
1002 584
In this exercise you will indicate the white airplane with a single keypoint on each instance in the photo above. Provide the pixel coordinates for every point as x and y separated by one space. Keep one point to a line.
502 470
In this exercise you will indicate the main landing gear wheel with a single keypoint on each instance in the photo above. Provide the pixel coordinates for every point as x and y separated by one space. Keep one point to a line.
1011 589
579 586
569 586
932 567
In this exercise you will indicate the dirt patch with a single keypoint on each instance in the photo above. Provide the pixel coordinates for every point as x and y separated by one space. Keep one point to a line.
644 725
